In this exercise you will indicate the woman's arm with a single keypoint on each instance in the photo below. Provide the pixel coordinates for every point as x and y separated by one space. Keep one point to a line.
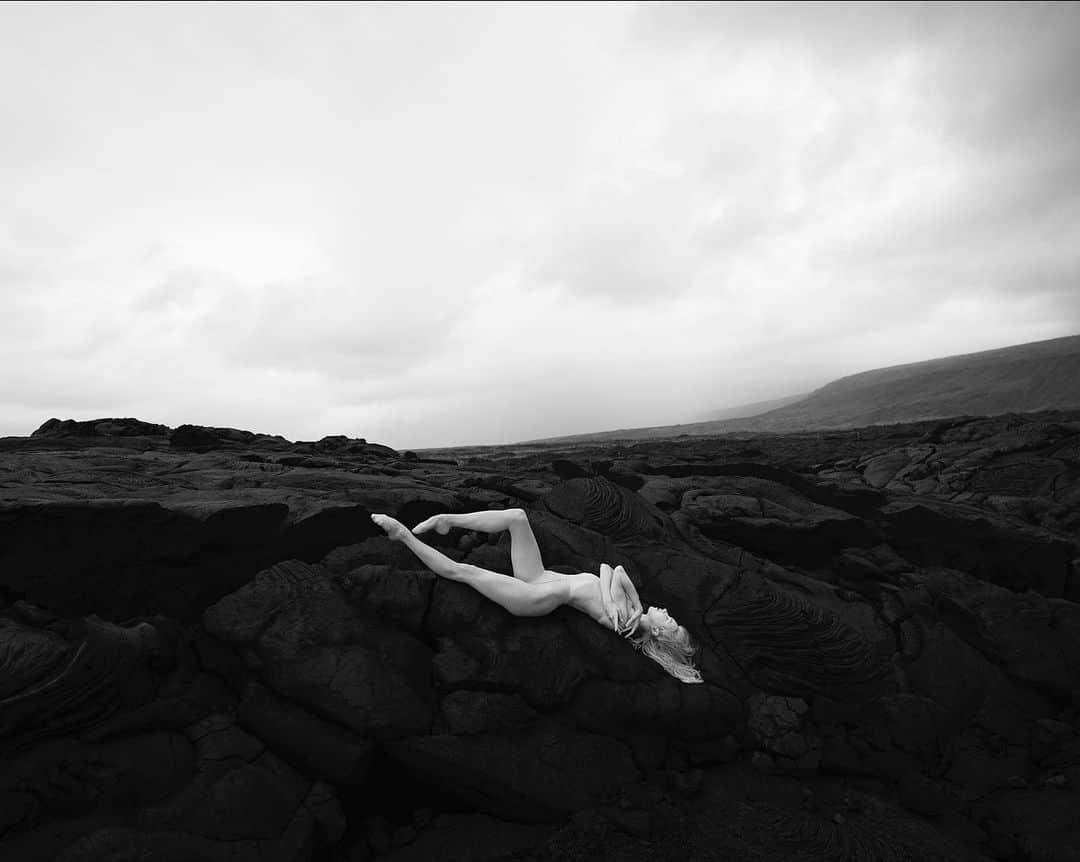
620 577
610 607
621 607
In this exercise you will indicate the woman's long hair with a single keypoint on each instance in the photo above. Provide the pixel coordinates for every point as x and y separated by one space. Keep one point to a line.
672 650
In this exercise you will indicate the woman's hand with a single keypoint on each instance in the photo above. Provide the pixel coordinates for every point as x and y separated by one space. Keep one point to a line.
630 626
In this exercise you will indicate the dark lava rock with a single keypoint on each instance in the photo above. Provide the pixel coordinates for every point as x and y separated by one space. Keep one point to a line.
198 438
101 428
208 651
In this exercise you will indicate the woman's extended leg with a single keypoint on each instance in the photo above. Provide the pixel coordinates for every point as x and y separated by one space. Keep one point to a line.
518 597
524 552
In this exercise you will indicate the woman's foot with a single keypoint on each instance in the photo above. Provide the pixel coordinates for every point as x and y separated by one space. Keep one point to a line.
439 523
396 530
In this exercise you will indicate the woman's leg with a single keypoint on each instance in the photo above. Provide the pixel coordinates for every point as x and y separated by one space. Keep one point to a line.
518 597
524 552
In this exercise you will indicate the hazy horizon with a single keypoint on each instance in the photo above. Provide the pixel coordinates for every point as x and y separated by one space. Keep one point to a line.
462 224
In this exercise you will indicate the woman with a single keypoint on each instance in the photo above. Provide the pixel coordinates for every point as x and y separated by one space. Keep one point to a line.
533 591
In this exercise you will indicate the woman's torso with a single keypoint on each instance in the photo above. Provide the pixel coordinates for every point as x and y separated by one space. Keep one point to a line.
584 595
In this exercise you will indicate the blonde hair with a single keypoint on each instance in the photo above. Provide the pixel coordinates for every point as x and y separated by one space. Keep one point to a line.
672 650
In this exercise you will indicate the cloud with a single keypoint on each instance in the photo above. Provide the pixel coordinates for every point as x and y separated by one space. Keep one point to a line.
434 225
177 290
932 143
625 245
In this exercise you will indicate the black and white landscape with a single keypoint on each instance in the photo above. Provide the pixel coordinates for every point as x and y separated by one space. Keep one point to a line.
775 305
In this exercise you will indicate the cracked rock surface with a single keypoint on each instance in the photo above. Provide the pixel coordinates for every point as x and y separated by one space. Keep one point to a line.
208 651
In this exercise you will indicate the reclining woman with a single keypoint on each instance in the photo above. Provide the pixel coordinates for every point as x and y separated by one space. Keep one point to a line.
533 591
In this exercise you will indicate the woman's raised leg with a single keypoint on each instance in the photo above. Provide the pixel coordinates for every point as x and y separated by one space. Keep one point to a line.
524 552
520 598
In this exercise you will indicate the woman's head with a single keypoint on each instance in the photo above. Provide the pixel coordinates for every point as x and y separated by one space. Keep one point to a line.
667 643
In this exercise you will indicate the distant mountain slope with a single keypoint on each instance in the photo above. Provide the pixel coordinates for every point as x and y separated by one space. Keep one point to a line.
1039 375
742 411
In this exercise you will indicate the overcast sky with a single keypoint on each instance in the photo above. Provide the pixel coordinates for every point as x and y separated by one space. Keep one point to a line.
433 225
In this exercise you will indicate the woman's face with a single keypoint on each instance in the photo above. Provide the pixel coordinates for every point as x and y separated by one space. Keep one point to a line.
659 618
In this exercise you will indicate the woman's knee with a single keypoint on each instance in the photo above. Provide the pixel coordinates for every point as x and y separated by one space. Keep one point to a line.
518 516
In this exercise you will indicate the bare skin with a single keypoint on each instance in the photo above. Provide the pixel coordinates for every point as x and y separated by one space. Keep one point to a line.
533 590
